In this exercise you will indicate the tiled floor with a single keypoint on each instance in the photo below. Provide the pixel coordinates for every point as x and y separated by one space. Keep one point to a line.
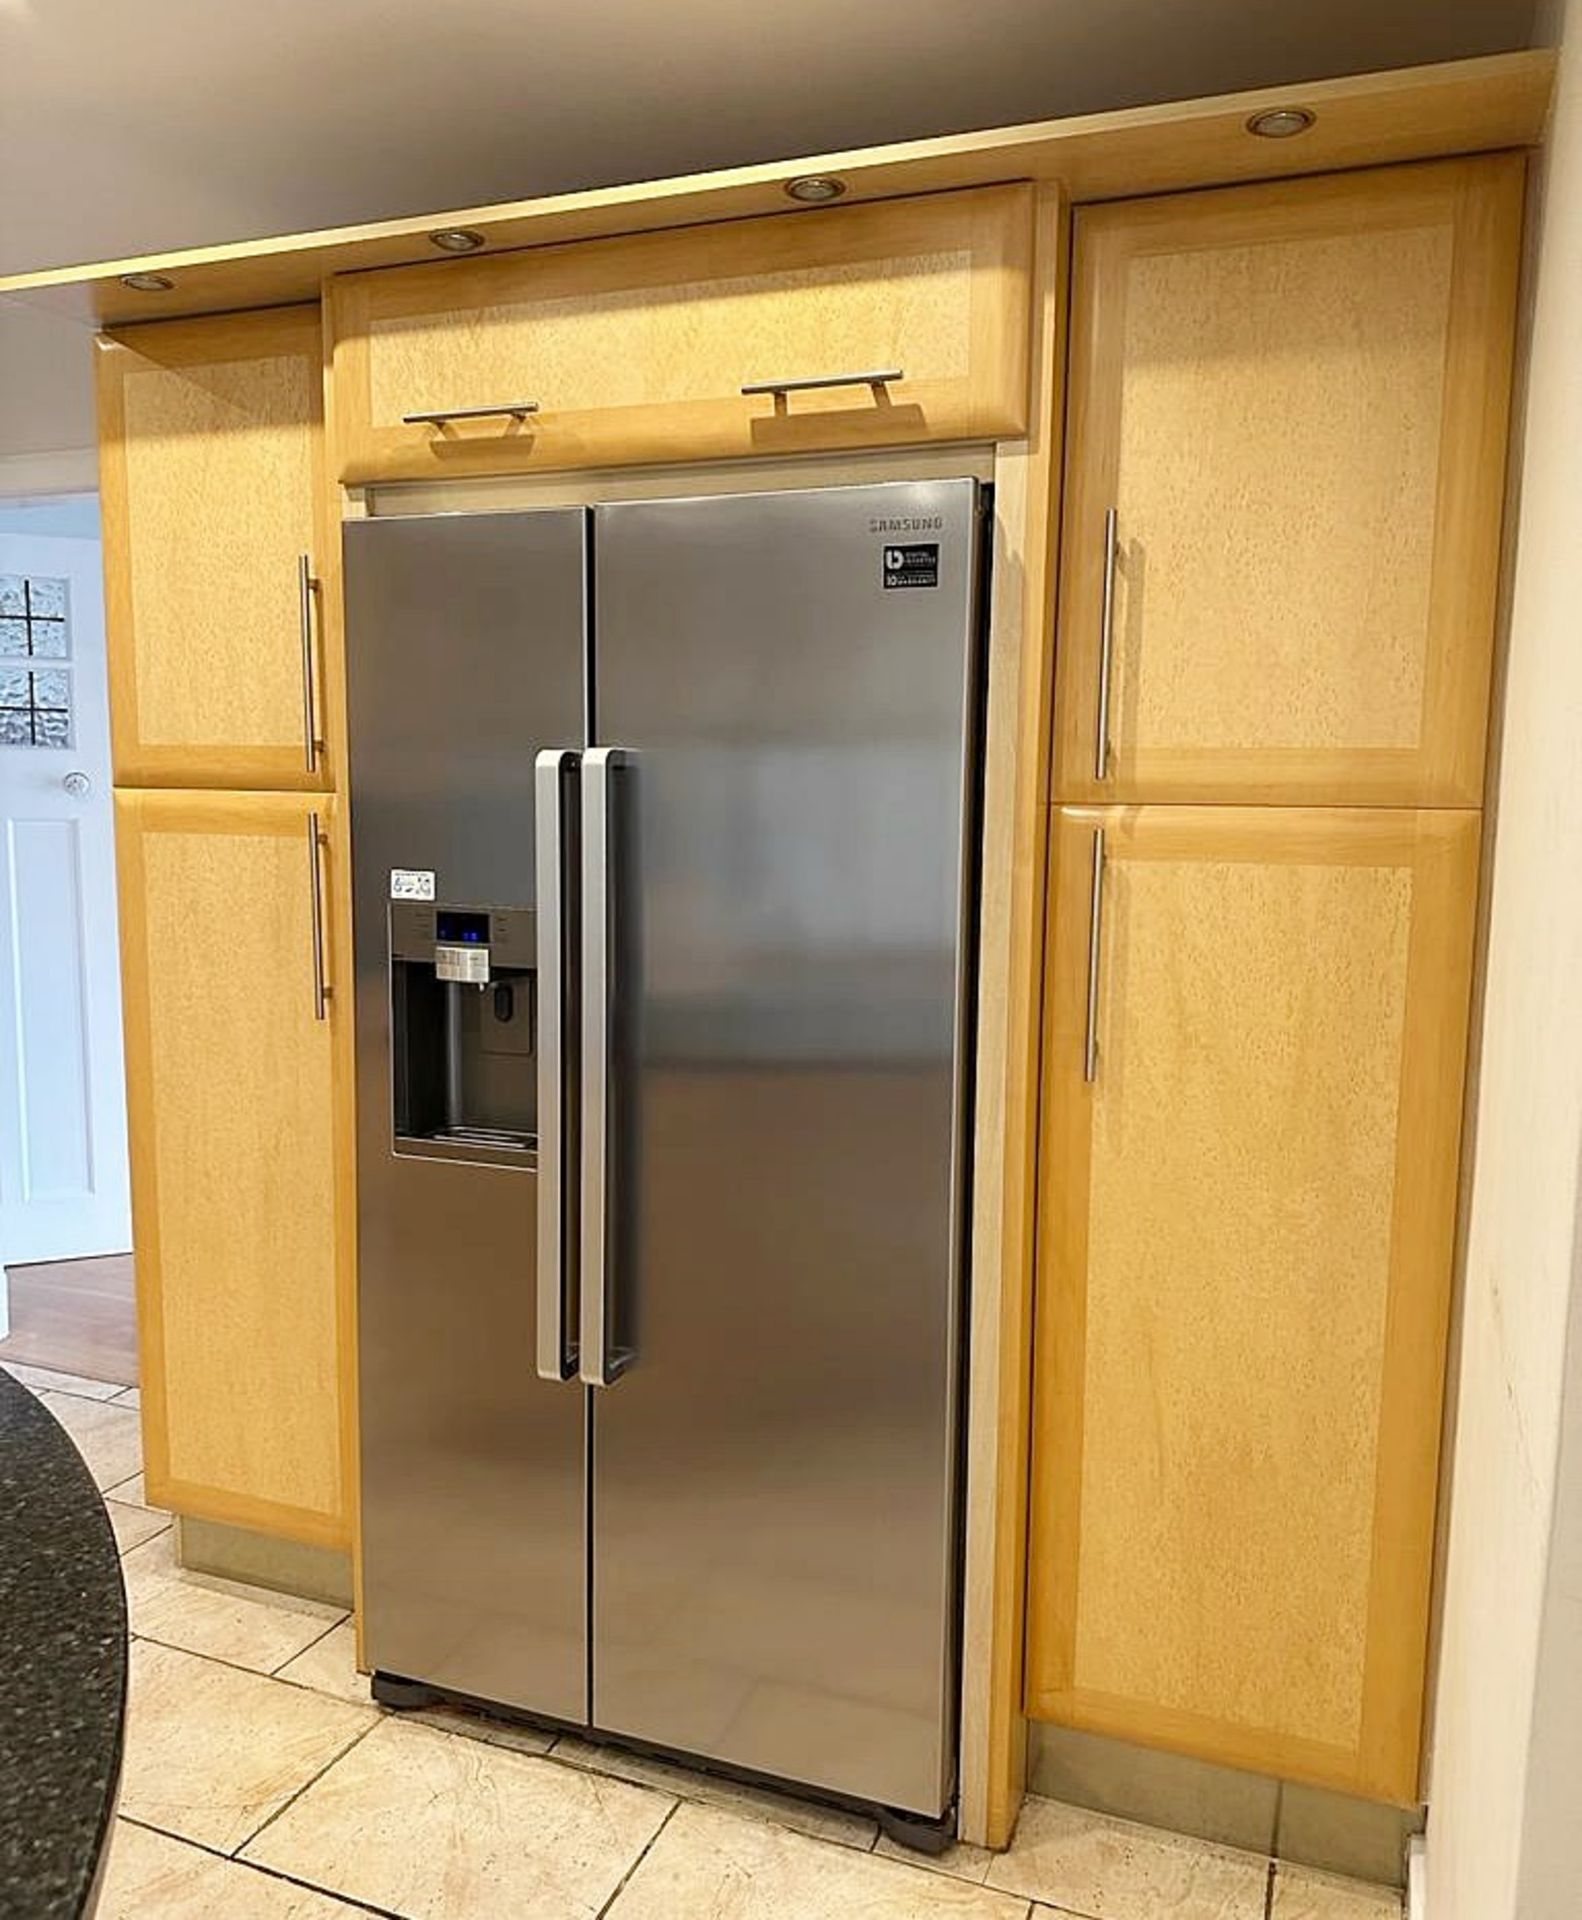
261 1783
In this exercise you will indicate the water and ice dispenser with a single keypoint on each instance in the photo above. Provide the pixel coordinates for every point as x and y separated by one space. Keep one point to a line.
464 1030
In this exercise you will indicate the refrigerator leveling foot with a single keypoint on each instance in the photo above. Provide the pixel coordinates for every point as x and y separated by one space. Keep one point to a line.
913 1831
390 1690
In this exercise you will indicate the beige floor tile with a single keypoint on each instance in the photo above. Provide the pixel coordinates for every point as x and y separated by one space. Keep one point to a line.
438 1828
802 1816
961 1862
515 1735
248 1626
46 1380
130 1492
109 1438
712 1865
1107 1869
130 1397
1302 1894
330 1666
212 1752
149 1876
134 1525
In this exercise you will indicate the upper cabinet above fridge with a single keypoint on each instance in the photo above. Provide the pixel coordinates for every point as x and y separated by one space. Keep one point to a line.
866 326
1284 478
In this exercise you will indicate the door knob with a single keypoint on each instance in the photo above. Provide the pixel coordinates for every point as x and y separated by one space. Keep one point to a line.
77 784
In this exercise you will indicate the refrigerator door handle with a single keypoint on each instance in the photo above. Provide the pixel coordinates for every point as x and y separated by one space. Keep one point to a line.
598 1366
555 1342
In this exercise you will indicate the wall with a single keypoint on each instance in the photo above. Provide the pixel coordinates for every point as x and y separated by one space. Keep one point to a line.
46 397
1502 1840
1549 1881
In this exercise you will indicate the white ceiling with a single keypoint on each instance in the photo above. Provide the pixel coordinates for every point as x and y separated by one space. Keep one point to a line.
131 126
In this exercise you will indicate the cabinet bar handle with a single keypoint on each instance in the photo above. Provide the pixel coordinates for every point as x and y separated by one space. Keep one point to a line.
441 416
307 589
1101 745
321 986
1090 1045
878 377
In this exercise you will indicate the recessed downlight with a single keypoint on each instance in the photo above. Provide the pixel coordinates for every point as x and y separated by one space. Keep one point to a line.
456 240
816 189
147 282
1281 123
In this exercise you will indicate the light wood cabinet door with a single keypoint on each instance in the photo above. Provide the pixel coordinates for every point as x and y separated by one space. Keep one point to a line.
1294 400
1246 1228
211 469
636 349
236 1093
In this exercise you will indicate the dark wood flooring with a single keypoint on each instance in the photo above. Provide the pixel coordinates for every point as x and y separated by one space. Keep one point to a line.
75 1316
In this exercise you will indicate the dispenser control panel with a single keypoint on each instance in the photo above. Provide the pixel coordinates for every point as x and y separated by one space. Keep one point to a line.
464 943
461 946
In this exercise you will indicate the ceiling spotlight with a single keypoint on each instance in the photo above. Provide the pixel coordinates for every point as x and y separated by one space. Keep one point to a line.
816 189
1280 123
457 240
147 282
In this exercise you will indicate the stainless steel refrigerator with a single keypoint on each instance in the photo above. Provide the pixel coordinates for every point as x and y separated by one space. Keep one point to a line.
663 823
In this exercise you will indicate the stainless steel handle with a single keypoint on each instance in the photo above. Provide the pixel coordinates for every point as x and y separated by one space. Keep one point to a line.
878 377
556 1354
307 588
321 986
598 1366
1090 1046
442 416
1101 743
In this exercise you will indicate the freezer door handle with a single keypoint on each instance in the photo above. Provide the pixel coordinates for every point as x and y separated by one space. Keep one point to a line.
600 1365
555 1342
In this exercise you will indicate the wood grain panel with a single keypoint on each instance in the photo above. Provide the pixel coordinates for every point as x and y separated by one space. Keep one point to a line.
211 454
636 350
1409 113
1244 1281
1296 399
1005 1141
638 347
239 1142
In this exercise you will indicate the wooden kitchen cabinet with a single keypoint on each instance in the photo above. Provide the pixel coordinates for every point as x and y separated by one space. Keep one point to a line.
636 349
1293 397
215 515
238 1090
1246 1227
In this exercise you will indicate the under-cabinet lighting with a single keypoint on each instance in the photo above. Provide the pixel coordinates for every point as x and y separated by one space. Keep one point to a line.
456 240
1280 123
815 189
147 282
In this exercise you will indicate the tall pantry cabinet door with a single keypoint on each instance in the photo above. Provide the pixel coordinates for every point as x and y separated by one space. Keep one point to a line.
215 525
1292 400
238 1117
1244 1273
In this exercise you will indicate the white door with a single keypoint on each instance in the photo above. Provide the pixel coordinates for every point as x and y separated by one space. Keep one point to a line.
63 1170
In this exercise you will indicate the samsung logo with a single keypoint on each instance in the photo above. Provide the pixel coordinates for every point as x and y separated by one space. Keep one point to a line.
909 523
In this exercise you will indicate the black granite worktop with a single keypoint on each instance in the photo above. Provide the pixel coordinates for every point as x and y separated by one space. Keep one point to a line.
62 1667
